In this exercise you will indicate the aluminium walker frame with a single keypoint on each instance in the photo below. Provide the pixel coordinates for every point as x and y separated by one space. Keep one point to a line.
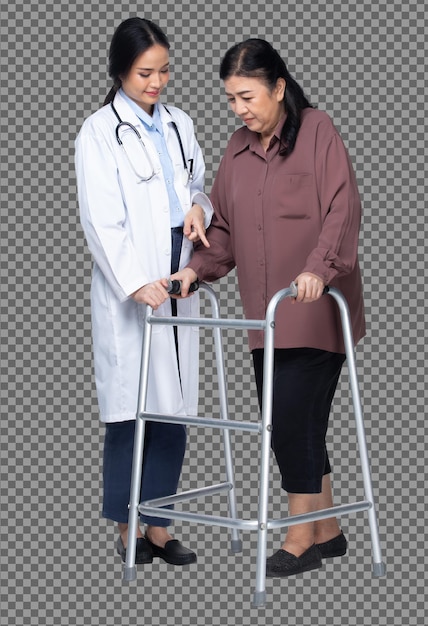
263 427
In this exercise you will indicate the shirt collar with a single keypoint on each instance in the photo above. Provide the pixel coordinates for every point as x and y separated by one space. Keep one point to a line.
150 122
246 138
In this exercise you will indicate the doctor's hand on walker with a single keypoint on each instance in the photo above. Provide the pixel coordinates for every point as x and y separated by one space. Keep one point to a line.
194 225
154 294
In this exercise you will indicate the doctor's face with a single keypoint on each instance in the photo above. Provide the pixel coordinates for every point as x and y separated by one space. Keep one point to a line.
147 77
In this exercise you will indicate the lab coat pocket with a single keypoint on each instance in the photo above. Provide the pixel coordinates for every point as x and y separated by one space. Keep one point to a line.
294 198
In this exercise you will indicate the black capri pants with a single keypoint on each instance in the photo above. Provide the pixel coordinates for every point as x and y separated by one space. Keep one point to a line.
305 380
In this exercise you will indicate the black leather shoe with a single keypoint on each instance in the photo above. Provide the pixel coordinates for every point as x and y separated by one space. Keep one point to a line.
143 553
335 547
173 552
283 563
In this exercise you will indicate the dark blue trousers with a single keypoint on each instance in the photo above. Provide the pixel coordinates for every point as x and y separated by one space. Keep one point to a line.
164 448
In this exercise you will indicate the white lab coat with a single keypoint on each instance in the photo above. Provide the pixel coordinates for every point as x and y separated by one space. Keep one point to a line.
127 228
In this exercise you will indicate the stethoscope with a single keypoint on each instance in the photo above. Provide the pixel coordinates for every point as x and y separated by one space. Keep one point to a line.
121 124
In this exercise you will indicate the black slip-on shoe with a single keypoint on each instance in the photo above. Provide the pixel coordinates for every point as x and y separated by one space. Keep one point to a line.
283 563
173 552
143 553
335 547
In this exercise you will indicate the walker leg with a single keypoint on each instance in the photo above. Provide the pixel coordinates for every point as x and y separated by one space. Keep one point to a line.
129 574
236 543
267 406
259 599
379 568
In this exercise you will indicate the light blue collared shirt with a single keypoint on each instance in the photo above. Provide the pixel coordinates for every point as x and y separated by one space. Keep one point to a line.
154 126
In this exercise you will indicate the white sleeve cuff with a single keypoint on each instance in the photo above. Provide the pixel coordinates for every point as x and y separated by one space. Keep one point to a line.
203 200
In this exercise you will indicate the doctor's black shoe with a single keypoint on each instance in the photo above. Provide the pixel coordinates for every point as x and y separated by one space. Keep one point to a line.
143 552
335 547
283 563
173 552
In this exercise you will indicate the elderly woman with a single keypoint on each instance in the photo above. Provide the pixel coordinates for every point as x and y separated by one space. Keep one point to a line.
287 208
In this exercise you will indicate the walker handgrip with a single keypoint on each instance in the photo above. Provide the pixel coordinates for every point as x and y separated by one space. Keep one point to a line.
293 286
174 287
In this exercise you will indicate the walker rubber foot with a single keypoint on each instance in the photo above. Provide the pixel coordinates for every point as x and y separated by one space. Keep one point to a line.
129 574
259 599
379 569
235 546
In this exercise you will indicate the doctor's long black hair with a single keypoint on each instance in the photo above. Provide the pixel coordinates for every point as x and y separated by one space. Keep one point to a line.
256 58
131 39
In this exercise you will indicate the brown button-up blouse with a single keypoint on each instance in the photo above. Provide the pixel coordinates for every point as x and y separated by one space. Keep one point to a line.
277 217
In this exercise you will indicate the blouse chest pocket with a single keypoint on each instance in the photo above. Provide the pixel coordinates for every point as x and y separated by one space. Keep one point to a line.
293 196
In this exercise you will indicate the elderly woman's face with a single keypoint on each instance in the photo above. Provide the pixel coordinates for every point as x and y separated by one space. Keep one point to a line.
258 107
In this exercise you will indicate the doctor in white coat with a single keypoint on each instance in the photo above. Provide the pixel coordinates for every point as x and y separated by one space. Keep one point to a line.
140 176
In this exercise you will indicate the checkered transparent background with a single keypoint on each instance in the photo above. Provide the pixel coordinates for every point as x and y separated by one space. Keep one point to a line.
364 63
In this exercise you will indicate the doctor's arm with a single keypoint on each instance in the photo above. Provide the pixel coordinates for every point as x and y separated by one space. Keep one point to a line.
215 262
102 216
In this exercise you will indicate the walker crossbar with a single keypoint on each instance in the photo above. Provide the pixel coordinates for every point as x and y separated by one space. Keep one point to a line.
335 511
263 427
200 518
193 420
153 507
208 322
185 496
